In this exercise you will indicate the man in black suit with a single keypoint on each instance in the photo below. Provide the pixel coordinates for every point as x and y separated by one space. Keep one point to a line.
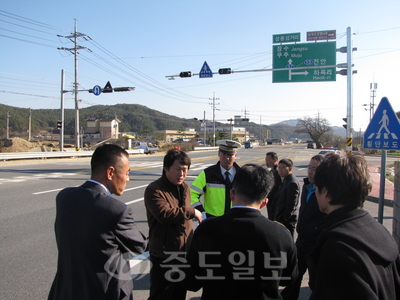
96 233
286 200
271 160
242 254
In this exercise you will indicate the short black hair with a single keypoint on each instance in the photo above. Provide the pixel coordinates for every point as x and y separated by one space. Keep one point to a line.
176 154
107 155
317 157
253 182
345 177
286 161
273 155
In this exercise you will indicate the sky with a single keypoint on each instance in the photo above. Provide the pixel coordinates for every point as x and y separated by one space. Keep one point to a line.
139 43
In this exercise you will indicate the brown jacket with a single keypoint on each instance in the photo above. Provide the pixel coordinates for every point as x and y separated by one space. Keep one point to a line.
169 217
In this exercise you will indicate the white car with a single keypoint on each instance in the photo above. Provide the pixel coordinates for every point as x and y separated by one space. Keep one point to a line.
327 151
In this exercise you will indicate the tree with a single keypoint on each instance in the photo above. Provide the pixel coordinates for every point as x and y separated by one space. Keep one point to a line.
316 127
181 131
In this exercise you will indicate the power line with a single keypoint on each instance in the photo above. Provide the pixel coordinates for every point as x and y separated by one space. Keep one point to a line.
42 96
40 44
159 85
35 37
30 21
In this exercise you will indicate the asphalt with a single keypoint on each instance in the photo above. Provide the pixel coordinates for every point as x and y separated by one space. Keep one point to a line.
140 267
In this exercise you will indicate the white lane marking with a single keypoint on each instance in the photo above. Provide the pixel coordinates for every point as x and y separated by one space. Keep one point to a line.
134 201
136 187
49 191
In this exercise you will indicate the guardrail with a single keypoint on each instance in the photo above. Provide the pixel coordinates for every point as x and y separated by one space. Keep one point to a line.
205 148
44 155
66 154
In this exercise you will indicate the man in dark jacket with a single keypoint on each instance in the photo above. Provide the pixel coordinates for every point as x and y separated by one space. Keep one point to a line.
271 160
310 223
287 198
169 216
242 255
356 256
96 233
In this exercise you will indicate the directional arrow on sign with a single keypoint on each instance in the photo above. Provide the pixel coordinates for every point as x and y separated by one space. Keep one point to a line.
305 73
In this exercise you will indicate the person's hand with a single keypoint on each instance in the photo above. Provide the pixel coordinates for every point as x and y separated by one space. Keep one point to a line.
198 215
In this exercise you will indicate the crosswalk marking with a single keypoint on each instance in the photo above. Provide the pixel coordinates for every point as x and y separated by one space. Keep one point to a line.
385 136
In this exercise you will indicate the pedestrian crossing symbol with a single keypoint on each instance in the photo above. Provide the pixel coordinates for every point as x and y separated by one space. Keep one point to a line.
205 71
383 130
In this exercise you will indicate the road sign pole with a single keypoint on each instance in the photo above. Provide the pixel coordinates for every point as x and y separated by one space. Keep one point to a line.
349 131
382 187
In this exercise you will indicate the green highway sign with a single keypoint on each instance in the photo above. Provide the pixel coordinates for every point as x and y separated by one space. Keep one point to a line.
286 38
311 55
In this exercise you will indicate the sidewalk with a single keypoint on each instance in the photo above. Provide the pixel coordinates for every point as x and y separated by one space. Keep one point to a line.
374 171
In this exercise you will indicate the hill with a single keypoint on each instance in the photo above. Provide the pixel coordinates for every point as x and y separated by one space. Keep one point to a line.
133 117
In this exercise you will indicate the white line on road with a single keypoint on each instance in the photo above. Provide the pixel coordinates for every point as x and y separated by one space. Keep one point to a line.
134 201
136 187
49 191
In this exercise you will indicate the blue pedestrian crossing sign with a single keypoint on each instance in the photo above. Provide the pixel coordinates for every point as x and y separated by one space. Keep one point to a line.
383 131
205 71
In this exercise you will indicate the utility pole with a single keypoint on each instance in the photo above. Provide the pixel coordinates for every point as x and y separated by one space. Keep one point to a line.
7 125
372 86
62 111
29 124
74 38
231 126
245 113
214 108
205 128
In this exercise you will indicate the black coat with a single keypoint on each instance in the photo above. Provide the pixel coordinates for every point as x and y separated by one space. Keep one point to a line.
241 234
356 258
95 233
272 193
287 200
310 221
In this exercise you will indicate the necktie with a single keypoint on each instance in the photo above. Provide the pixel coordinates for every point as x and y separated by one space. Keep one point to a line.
227 180
227 189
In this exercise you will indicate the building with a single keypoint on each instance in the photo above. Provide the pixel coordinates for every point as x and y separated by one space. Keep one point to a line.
106 128
172 135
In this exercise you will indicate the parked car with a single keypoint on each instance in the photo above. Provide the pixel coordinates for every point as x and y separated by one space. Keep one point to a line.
248 145
327 151
311 145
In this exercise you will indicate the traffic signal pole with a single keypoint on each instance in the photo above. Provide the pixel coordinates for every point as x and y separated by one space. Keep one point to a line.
349 129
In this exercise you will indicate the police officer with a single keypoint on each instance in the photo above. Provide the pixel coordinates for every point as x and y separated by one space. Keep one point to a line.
215 182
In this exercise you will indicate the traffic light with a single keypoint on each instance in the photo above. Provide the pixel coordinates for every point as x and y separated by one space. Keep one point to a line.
344 72
225 71
185 74
59 125
345 125
124 89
